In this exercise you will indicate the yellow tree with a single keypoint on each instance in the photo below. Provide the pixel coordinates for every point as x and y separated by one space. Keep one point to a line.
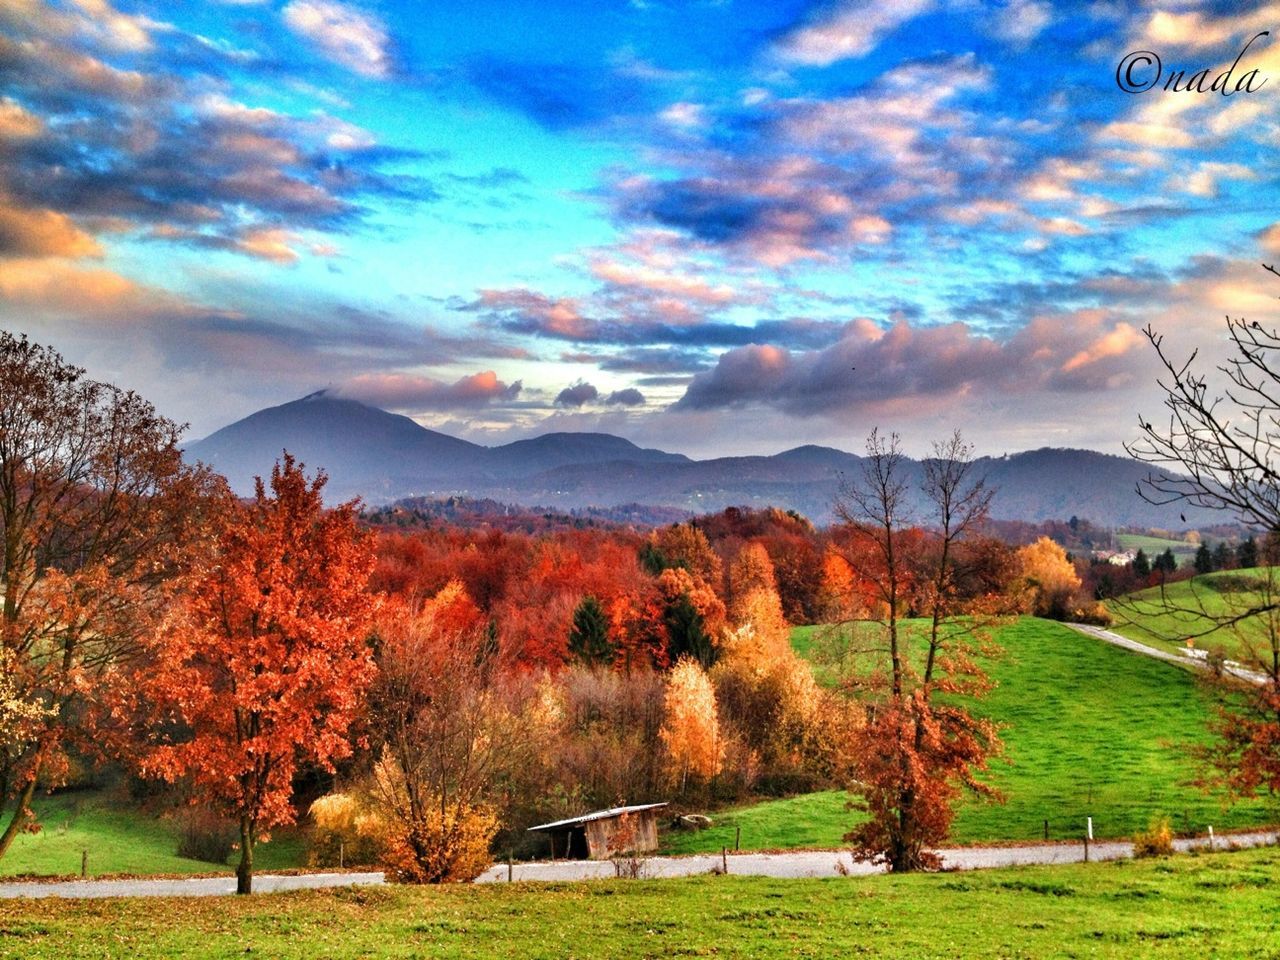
1050 576
691 725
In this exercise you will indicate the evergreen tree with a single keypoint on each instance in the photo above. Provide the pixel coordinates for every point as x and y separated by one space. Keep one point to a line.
1166 563
589 641
1204 559
1141 565
1247 553
1222 556
686 633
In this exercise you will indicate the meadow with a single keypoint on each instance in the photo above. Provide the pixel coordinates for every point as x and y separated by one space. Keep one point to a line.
1165 616
1183 550
1089 730
120 838
1212 905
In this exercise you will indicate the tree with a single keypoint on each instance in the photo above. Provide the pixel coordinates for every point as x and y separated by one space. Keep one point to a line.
1222 556
1247 553
1218 450
1050 575
691 727
589 641
264 663
447 734
1166 563
917 748
1203 562
1141 564
96 512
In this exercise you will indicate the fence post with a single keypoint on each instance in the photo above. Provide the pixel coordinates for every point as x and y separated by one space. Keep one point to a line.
342 854
737 838
1211 837
511 867
84 863
1046 829
724 859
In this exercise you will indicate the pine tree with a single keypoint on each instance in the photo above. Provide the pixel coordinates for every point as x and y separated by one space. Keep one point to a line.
1222 556
589 641
1141 565
1247 554
1204 559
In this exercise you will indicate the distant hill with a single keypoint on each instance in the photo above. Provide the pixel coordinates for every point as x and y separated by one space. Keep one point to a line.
384 457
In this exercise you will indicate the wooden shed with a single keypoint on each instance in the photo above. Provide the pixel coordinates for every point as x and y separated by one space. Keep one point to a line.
605 833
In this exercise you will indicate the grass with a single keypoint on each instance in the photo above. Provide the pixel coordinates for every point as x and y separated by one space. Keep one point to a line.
1091 730
120 838
1154 616
1154 546
1219 905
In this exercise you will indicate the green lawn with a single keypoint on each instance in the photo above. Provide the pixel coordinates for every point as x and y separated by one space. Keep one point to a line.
1154 546
119 839
1220 905
1091 730
1165 617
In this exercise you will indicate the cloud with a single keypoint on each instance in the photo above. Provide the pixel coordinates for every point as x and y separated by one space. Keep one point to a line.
342 33
629 397
412 392
848 30
42 233
810 179
875 368
1021 21
577 395
91 145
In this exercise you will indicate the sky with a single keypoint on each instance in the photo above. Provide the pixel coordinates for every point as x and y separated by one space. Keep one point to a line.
711 226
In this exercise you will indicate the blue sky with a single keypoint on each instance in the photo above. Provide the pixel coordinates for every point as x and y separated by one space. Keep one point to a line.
713 227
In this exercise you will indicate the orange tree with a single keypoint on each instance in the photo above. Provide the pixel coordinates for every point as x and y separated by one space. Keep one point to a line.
919 746
264 663
96 511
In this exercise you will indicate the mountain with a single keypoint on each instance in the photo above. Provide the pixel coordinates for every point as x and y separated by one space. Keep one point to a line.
384 457
366 451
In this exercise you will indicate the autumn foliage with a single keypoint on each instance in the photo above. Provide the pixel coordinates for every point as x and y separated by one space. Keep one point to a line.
263 662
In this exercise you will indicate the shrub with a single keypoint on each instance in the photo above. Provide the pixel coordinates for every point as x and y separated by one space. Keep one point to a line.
1155 841
344 832
205 836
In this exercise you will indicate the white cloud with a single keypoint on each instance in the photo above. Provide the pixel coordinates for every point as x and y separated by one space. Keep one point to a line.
852 30
345 35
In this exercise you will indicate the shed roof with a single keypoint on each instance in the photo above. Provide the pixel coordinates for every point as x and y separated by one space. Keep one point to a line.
598 815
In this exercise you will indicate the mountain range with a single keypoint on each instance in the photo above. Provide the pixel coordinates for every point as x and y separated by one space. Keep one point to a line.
383 457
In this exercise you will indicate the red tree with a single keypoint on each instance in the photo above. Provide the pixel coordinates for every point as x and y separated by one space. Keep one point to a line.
264 662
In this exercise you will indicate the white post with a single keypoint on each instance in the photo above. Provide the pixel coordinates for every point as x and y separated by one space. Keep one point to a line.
1210 836
1090 827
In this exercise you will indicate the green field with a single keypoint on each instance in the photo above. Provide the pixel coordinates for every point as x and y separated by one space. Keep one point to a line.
1219 905
1090 730
1154 546
119 838
1157 615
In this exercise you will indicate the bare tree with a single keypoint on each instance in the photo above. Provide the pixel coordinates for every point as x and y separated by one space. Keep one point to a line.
1217 450
915 752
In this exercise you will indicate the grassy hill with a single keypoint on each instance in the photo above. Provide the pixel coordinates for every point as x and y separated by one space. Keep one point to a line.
1219 905
1154 546
1146 615
1090 730
120 838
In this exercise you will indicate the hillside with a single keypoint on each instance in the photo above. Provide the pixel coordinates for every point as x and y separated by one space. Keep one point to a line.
385 457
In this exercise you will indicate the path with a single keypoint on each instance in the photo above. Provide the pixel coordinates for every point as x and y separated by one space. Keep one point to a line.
1183 660
191 887
823 863
800 863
